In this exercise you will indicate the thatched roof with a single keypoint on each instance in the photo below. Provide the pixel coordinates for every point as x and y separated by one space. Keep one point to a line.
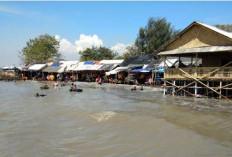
226 35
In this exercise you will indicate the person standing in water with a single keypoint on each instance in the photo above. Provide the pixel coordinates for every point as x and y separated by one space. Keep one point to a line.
100 80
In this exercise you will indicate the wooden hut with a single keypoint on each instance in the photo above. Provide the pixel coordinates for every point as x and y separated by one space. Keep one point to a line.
210 71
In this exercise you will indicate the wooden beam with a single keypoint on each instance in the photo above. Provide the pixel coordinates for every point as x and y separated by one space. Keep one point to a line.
201 77
205 85
183 89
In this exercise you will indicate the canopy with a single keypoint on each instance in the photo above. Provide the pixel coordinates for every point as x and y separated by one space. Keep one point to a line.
9 68
111 61
36 67
67 66
160 71
72 67
82 66
52 69
55 64
107 67
145 70
115 71
88 63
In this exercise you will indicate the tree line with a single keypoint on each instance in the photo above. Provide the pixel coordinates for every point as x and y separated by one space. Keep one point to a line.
156 32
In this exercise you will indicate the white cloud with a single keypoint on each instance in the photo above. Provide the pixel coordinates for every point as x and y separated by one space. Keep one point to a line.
69 49
119 48
87 41
65 46
8 9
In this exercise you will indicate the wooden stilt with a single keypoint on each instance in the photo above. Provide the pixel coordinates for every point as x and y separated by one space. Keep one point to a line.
205 76
184 85
197 80
173 88
182 89
220 91
195 89
164 87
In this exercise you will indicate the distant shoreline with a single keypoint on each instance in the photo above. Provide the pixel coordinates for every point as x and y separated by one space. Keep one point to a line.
95 84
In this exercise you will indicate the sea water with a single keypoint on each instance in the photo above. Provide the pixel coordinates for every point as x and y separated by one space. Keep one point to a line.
110 120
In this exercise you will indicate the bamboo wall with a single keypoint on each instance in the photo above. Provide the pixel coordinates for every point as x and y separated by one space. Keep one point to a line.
198 36
199 72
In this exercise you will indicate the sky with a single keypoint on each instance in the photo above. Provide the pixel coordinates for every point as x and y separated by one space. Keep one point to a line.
79 25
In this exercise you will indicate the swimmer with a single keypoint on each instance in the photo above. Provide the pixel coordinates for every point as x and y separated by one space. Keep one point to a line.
40 95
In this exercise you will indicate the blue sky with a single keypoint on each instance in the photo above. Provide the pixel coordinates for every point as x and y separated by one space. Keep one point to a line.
80 24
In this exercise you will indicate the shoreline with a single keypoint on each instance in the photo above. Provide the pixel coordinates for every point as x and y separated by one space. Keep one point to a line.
95 84
119 86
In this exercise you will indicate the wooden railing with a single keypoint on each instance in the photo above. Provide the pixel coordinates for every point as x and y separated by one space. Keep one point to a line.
224 73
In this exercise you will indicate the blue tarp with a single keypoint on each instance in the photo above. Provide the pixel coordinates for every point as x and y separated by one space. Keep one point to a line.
89 63
56 64
160 71
161 67
142 70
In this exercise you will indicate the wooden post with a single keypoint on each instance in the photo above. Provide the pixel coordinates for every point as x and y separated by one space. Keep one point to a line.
152 77
184 85
196 60
164 87
182 89
173 88
191 61
195 88
197 80
220 91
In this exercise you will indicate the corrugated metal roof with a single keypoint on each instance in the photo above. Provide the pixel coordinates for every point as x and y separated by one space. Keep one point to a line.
197 50
141 59
108 67
51 69
87 67
67 66
115 71
36 67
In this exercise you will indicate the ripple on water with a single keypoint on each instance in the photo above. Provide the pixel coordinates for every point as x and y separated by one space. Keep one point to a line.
103 116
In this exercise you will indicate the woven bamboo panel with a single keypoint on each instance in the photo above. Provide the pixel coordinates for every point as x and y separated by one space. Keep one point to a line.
198 36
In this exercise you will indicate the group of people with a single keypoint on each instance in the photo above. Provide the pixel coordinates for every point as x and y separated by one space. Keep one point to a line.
73 87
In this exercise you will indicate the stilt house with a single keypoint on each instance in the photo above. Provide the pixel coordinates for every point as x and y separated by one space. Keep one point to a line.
210 71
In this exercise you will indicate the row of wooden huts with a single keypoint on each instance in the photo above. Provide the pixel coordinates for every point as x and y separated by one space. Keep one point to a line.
142 69
197 62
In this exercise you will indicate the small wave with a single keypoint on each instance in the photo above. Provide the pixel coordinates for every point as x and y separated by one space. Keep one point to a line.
103 116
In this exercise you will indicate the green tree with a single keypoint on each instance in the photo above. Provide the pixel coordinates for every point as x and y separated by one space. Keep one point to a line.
156 33
40 49
225 27
97 53
131 50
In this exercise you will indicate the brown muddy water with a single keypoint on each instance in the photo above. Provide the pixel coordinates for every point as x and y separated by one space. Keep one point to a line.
112 122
